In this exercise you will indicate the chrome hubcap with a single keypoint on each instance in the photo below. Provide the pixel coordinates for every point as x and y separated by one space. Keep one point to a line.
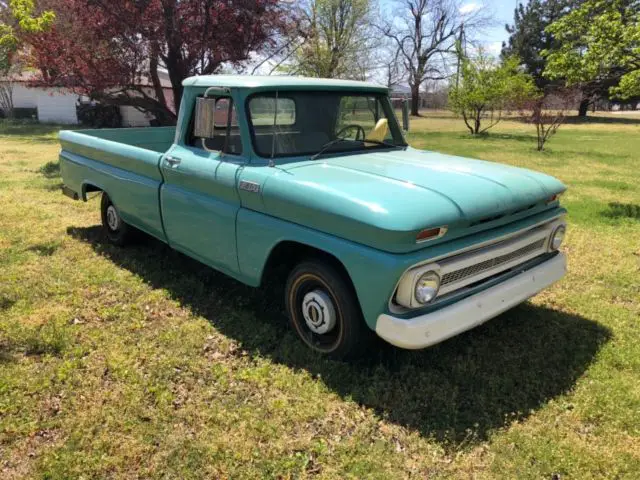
319 312
113 220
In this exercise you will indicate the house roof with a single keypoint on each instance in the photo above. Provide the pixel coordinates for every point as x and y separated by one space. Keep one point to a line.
30 76
401 89
275 81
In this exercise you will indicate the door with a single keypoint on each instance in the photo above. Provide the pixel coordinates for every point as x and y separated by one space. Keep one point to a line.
199 198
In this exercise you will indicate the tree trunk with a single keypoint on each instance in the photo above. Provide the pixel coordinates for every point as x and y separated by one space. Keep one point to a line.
583 108
415 100
153 74
476 123
176 75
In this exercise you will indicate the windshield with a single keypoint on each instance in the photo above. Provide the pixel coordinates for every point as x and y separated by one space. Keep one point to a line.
310 122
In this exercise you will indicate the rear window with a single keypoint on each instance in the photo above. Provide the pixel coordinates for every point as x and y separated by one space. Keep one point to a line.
263 111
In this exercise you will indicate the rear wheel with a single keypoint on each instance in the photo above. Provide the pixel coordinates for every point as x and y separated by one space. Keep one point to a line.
116 230
324 311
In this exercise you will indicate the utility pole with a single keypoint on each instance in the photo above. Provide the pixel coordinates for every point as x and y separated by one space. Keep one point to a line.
459 52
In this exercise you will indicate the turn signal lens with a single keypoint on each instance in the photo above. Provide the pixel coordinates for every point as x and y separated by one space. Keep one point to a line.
430 234
553 198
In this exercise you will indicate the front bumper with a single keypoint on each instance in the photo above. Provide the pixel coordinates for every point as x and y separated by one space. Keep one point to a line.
435 327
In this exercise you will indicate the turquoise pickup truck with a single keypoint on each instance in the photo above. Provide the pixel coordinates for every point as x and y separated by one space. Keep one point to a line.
314 177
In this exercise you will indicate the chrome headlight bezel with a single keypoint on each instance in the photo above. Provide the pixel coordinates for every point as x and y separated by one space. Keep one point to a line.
426 287
557 237
406 290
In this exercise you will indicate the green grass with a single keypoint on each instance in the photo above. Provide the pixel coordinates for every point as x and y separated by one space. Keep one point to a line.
138 362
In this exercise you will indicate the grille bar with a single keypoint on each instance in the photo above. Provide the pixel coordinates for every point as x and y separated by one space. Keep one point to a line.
472 270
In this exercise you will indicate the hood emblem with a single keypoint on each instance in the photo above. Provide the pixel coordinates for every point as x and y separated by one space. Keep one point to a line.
252 187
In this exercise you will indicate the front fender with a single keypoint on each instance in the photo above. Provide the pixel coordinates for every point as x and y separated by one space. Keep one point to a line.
374 273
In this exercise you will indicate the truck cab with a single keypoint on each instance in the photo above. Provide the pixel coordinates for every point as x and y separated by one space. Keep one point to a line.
314 177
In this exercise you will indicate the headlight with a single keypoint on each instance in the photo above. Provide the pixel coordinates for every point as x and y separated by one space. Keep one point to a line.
556 237
427 287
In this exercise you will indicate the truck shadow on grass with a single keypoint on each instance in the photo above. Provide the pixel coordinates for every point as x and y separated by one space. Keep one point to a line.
456 392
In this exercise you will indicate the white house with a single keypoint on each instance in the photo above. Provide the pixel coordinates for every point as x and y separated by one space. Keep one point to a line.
58 105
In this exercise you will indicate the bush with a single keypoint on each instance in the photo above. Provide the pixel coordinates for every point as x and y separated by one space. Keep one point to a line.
487 88
99 116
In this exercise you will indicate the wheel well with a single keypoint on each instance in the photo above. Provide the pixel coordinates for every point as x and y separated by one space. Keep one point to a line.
286 255
88 187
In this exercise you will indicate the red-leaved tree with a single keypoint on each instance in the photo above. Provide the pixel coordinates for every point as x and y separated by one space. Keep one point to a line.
113 50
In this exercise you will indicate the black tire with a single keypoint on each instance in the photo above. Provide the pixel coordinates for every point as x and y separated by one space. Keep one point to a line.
115 229
350 336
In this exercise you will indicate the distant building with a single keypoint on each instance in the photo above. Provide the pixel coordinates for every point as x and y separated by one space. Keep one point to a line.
436 99
58 105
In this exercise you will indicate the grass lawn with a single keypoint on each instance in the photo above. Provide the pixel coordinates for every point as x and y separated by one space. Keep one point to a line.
139 363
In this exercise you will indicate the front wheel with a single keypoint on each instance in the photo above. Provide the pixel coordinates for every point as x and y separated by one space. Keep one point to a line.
116 230
324 311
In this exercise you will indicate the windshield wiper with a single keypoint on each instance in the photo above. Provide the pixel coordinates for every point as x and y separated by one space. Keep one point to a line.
337 140
327 145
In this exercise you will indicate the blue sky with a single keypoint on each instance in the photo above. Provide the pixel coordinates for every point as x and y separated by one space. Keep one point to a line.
501 11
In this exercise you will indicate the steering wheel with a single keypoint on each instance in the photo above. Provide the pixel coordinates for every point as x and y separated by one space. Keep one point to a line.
358 129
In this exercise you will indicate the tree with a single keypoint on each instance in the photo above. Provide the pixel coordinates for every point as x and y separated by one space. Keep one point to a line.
389 65
113 51
528 36
336 41
17 14
529 39
532 40
599 41
548 111
425 33
487 88
8 73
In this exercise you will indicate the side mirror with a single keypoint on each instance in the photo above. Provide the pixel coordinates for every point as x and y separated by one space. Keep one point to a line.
205 117
405 115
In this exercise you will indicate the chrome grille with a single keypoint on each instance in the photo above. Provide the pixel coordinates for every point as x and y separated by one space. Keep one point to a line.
478 268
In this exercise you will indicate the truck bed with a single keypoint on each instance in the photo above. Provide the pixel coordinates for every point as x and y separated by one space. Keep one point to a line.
157 139
123 162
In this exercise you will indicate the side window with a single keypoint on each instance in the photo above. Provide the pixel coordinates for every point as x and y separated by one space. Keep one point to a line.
226 131
263 111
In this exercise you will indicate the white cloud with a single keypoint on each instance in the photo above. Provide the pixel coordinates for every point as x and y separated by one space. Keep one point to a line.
493 48
468 8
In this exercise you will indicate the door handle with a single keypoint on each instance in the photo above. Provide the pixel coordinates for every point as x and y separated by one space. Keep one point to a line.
172 161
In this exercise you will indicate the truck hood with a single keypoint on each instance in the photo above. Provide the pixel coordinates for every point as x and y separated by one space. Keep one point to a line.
393 195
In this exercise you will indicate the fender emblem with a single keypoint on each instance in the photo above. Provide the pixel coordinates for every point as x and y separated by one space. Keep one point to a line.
249 186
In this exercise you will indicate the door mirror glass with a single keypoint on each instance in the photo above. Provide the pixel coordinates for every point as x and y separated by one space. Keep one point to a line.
204 126
211 116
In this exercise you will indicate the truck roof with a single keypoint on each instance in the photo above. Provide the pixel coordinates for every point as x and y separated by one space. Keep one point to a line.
275 81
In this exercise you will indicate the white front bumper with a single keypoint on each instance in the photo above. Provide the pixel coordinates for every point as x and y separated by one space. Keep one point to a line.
431 328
